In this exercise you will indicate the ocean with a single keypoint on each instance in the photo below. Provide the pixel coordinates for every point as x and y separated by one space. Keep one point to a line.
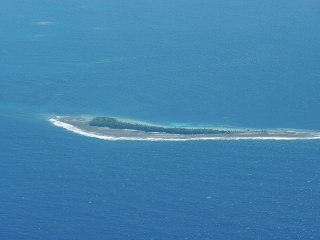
224 63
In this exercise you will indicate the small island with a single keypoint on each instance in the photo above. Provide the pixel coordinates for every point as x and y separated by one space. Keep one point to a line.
113 128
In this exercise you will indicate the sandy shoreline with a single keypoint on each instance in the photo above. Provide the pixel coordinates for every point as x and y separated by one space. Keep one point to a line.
80 126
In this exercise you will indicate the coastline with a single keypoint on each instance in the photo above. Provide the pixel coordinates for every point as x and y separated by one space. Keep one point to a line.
79 126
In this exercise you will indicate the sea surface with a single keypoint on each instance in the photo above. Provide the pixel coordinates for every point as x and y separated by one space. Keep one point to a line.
225 63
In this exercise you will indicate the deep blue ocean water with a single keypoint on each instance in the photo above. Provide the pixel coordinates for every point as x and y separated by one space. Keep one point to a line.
235 63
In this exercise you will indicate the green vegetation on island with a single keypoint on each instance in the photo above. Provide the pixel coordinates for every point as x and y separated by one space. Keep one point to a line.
117 124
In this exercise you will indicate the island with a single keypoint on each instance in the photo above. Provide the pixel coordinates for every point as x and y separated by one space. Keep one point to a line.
113 128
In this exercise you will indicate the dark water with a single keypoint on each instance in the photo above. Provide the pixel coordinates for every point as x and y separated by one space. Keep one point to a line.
240 63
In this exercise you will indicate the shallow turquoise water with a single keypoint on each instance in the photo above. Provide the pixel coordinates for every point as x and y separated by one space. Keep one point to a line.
210 62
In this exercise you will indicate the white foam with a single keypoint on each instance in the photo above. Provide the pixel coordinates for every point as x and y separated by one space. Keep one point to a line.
44 23
79 131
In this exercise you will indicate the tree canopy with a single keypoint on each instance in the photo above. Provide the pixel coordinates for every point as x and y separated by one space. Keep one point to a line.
117 124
